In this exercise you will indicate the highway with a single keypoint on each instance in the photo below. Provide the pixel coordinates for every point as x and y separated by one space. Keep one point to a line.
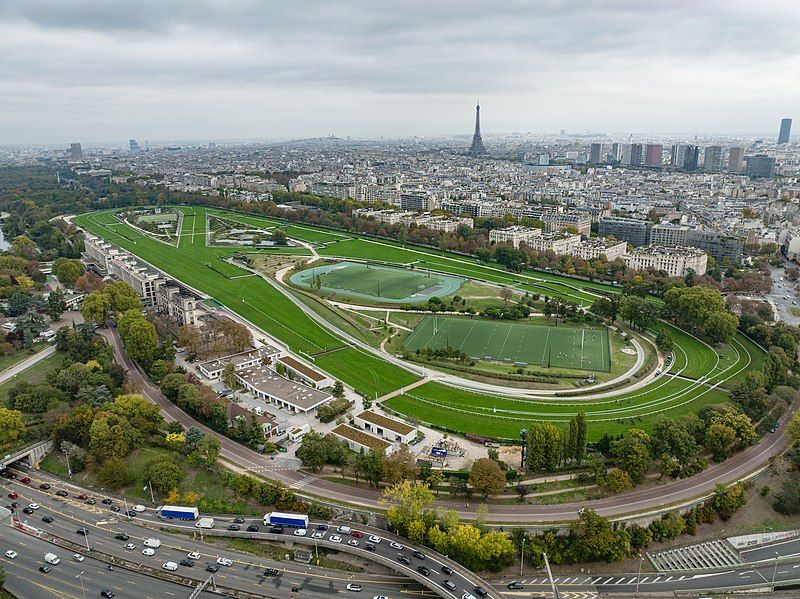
246 572
642 500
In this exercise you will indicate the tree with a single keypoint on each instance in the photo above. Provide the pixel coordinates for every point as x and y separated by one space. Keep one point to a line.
229 376
67 271
544 447
593 539
170 385
141 341
371 466
19 303
193 436
122 297
400 466
750 395
618 481
632 454
787 501
577 437
96 307
279 237
486 477
639 312
111 436
56 306
76 456
145 417
606 307
408 502
206 452
664 340
24 248
720 327
312 452
338 389
163 475
720 441
675 438
727 500
115 473
12 427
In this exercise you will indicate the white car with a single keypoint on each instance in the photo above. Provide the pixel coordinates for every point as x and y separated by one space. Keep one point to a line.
343 530
396 545
380 597
375 539
193 555
318 535
140 508
354 587
33 506
148 551
171 566
300 532
129 546
224 561
78 557
335 539
353 542
11 554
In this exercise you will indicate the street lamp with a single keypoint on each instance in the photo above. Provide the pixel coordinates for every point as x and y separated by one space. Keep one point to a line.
69 470
80 577
523 436
639 574
775 570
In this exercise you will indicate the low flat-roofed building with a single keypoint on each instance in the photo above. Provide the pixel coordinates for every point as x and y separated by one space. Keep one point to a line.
594 247
675 261
269 386
361 441
382 426
212 369
236 412
305 373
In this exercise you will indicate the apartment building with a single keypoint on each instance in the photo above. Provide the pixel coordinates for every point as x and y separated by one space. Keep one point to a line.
555 222
514 235
632 230
675 261
595 247
143 280
669 234
178 304
554 242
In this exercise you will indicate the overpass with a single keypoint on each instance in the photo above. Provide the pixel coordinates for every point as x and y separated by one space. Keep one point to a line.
27 456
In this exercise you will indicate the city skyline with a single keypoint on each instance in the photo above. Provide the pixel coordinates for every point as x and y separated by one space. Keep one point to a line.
104 72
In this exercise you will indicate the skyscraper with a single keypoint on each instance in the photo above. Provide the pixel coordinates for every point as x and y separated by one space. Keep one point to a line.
75 151
786 129
760 165
625 154
735 159
636 154
477 148
594 153
691 157
653 154
712 158
678 155
615 152
134 145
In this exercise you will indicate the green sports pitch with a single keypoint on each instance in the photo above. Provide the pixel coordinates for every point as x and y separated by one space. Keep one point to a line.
513 342
378 283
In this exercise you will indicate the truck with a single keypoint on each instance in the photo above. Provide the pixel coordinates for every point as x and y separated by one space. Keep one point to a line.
286 519
178 512
204 523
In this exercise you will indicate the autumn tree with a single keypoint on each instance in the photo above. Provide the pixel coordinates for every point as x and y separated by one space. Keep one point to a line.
486 477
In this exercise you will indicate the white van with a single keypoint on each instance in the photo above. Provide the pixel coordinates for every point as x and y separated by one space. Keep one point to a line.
51 558
154 543
344 530
171 566
139 508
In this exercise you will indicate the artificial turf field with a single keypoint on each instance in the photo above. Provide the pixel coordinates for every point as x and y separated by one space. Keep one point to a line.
378 282
561 347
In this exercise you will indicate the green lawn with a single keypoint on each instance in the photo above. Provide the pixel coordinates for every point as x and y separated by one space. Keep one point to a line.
33 374
18 356
518 342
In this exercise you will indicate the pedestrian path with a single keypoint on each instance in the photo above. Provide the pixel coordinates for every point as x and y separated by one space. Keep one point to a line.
709 555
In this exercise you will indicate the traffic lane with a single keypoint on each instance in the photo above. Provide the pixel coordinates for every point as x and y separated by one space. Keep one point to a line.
788 548
63 580
70 515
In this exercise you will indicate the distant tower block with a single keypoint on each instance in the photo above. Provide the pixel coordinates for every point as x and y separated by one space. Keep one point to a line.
477 148
786 130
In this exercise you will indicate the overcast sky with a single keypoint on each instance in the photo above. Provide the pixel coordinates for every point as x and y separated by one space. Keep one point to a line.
107 70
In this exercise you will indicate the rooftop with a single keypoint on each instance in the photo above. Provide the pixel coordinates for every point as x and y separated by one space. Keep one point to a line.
358 436
266 380
302 369
393 425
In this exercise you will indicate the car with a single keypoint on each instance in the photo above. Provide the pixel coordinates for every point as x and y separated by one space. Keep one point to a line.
449 585
322 527
44 569
271 572
396 545
515 586
10 554
295 589
129 546
300 532
318 535
114 508
369 547
335 539
344 530
189 563
34 506
171 566
418 554
252 528
83 496
121 536
61 493
25 480
356 588
27 510
380 597
772 429
424 571
403 559
480 591
211 568
468 595
44 486
234 527
130 514
238 520
353 542
78 557
108 593
357 534
13 495
374 539
224 561
139 508
106 501
91 501
193 555
447 570
15 505
82 532
276 530
148 551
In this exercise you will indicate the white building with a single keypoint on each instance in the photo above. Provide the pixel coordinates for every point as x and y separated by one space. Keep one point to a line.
388 428
675 261
212 369
555 242
669 234
361 441
514 235
594 247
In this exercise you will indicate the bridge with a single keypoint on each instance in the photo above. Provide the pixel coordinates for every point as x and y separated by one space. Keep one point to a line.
27 456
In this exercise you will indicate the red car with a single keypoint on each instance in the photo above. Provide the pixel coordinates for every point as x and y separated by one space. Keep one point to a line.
357 534
83 496
13 495
25 479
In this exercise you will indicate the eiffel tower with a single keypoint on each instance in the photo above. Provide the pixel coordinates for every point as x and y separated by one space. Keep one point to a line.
477 148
